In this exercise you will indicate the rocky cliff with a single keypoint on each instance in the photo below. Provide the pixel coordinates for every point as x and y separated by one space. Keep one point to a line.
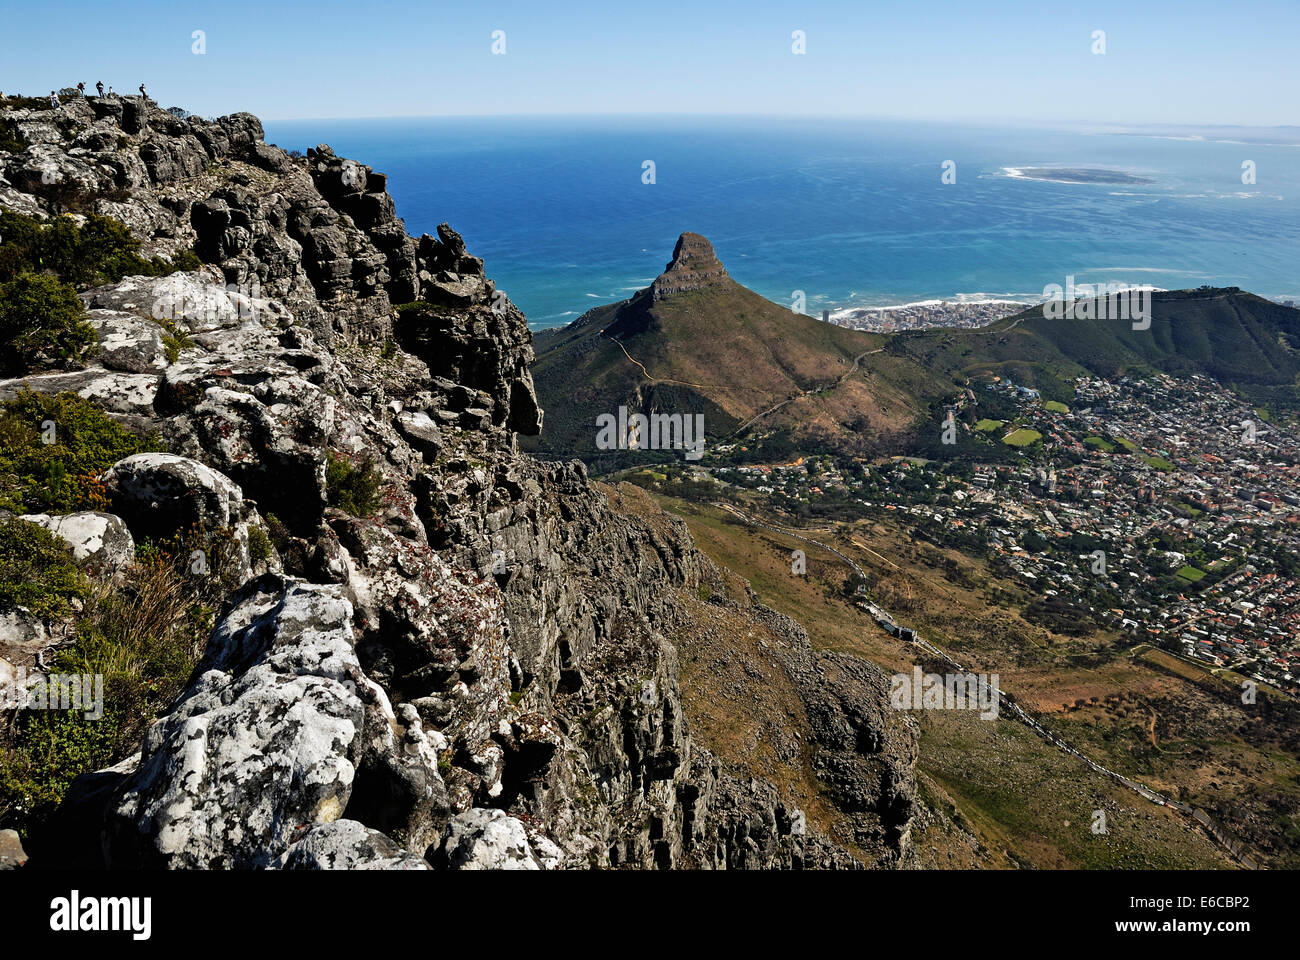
694 266
480 671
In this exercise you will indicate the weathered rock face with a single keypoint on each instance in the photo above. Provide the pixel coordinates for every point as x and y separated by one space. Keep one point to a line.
266 743
320 233
482 839
694 266
101 542
347 845
477 671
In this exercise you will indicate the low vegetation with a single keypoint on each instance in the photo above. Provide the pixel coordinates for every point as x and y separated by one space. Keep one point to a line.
96 251
352 487
52 450
11 141
143 636
42 324
37 572
142 632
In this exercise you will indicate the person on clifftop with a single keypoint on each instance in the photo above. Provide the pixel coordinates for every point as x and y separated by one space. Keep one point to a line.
54 99
81 87
143 95
99 86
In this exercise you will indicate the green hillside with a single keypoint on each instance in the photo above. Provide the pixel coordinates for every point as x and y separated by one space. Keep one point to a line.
1234 337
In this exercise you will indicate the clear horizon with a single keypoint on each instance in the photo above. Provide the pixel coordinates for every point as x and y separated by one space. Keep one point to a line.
1009 62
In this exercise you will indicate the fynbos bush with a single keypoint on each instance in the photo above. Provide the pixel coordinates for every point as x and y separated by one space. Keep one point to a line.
42 323
353 488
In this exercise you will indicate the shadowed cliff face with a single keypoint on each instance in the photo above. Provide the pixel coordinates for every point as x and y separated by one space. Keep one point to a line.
480 671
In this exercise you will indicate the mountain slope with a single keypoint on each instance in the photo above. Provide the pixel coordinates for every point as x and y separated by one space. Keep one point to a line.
693 341
1229 335
696 341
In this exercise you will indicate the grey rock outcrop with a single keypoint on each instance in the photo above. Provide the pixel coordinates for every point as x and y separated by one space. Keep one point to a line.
480 839
694 266
165 496
347 845
128 343
264 744
99 541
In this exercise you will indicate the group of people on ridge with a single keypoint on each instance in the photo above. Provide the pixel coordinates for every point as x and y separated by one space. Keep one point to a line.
81 89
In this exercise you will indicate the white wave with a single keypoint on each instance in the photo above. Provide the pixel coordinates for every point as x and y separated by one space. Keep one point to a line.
1189 273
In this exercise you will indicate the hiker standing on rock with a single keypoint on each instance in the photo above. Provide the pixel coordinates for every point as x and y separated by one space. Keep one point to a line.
81 87
143 95
99 86
54 99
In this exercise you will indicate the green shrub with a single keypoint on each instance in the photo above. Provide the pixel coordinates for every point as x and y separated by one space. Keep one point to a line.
42 323
11 141
259 546
353 488
174 339
51 748
144 637
37 571
99 250
61 475
186 260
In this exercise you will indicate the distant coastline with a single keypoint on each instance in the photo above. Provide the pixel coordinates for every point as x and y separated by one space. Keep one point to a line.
925 314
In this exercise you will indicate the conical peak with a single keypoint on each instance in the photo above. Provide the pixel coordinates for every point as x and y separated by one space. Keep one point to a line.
694 266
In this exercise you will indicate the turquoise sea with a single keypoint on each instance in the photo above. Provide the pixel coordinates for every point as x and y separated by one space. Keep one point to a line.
852 212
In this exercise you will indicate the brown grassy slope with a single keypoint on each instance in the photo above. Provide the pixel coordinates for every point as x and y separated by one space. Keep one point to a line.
728 353
1023 799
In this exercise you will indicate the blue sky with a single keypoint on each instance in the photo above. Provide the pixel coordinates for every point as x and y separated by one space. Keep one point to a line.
1176 62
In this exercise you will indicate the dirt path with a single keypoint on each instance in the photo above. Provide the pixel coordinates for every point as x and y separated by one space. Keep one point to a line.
647 375
806 393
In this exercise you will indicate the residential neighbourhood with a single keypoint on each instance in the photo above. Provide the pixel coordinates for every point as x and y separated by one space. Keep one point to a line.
1161 507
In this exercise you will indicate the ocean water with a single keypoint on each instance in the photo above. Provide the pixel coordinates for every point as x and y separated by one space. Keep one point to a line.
851 212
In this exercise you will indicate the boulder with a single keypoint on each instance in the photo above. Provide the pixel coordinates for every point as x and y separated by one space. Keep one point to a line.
22 637
488 839
128 343
11 850
182 492
261 747
99 541
347 845
162 496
